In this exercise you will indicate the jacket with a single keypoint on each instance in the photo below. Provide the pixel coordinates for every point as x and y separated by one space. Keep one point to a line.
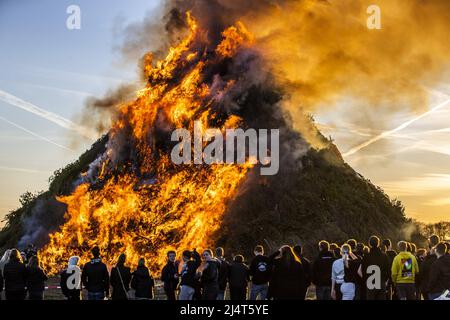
120 283
238 275
376 258
95 277
70 294
425 272
142 282
36 279
210 275
287 282
15 275
223 273
321 270
188 273
404 268
260 270
439 279
168 276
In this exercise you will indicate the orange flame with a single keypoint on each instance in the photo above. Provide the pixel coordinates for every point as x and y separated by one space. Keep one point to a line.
184 207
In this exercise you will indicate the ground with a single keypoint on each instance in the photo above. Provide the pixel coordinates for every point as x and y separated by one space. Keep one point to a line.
54 293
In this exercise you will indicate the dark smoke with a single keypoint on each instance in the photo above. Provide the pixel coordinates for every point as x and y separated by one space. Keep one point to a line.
100 112
45 217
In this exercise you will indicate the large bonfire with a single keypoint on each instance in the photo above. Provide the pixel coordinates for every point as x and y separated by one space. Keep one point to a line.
134 199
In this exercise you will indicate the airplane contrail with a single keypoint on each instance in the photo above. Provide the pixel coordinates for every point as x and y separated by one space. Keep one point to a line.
35 134
386 134
50 116
22 170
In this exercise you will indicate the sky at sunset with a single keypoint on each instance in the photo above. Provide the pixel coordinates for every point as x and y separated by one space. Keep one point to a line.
55 69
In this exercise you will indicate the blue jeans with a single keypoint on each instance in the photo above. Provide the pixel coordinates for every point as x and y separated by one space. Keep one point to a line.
323 293
406 291
259 290
96 295
348 290
221 295
186 293
433 296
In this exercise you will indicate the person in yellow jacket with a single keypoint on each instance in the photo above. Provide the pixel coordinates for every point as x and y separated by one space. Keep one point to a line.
404 272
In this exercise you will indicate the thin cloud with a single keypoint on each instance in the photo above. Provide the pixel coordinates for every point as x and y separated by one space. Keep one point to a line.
438 202
24 170
404 125
35 134
418 186
50 116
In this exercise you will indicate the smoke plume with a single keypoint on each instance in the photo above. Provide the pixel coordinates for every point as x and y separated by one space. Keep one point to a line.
322 52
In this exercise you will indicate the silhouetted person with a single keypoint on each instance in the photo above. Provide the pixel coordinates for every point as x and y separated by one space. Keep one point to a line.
169 276
260 273
386 247
95 277
15 274
1 284
439 280
359 252
404 271
71 289
189 282
336 250
351 265
120 279
288 277
428 261
337 277
238 275
142 282
36 278
298 251
378 259
3 261
353 244
223 273
209 276
321 271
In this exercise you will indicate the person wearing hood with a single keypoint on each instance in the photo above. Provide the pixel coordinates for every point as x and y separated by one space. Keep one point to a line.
36 278
15 275
321 271
71 280
95 277
120 279
3 261
142 282
238 277
439 280
375 258
404 271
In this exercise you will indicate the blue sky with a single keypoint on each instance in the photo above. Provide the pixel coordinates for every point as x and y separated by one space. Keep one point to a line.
56 69
44 63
